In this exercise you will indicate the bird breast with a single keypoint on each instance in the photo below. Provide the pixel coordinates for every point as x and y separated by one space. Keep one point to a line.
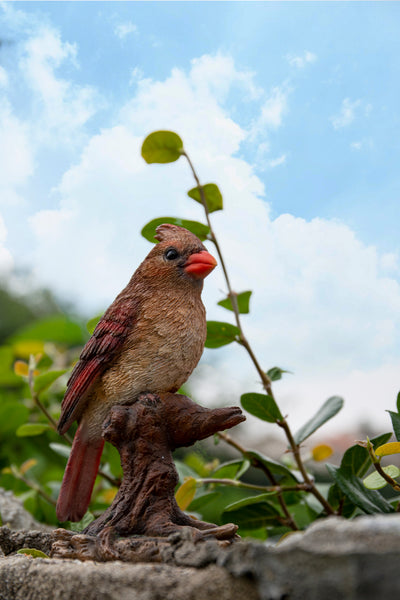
161 351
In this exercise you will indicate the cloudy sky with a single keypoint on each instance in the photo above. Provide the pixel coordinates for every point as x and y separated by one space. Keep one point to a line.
292 108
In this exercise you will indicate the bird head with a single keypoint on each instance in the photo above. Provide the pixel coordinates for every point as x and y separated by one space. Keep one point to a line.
180 255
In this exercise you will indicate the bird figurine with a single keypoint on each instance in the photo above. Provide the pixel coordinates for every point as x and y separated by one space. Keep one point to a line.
150 339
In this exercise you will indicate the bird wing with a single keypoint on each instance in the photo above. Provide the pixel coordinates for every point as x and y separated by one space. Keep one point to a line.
105 343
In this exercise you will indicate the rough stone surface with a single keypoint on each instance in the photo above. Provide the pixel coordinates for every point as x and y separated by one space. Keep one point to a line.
15 516
334 559
29 579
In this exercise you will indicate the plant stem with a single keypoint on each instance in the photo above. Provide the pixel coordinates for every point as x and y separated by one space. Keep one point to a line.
34 486
273 489
377 466
258 464
266 381
296 453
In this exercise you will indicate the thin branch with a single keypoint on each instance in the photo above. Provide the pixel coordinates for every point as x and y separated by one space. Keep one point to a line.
296 453
266 381
33 485
272 489
258 464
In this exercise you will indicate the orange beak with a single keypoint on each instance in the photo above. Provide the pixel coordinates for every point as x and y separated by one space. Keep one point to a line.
200 265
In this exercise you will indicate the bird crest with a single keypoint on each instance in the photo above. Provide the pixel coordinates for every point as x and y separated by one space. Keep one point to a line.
168 232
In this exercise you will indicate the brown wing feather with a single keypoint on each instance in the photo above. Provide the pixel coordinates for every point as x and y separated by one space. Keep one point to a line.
105 343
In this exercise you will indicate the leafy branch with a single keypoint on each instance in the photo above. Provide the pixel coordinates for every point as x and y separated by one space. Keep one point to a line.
163 147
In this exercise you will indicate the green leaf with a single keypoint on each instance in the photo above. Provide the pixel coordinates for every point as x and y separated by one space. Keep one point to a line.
42 382
199 229
253 515
395 417
356 458
12 415
262 406
374 481
31 429
202 500
303 514
212 195
328 410
369 501
219 334
184 471
233 469
33 552
276 468
243 302
276 373
398 402
162 147
58 329
91 324
87 518
248 501
357 461
61 449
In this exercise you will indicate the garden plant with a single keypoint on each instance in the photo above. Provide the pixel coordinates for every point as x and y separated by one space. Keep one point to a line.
284 496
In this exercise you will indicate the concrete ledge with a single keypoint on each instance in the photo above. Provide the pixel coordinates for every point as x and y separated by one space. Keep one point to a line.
334 559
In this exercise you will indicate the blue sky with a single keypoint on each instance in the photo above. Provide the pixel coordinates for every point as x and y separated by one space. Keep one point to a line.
292 108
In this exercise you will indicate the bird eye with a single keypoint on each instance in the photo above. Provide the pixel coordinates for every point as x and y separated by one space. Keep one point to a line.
171 254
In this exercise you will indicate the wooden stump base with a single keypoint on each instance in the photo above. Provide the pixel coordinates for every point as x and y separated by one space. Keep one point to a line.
145 434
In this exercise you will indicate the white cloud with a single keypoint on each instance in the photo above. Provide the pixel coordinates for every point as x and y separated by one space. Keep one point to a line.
276 162
63 106
272 111
347 113
302 60
16 156
323 301
6 261
136 75
274 108
3 77
122 30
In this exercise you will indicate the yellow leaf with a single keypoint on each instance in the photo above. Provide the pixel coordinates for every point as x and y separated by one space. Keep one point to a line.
386 449
185 493
21 368
107 496
6 471
321 452
27 347
28 464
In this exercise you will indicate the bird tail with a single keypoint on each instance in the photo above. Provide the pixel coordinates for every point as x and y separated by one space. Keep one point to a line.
79 476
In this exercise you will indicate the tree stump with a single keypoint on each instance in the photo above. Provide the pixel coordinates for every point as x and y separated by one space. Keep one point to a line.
145 434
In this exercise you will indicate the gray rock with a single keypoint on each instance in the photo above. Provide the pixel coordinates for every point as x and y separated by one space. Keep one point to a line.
22 578
14 516
334 559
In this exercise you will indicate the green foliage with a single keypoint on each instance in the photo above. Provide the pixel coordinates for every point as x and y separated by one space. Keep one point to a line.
276 373
212 196
220 334
375 481
162 147
242 300
32 552
328 410
264 496
262 406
